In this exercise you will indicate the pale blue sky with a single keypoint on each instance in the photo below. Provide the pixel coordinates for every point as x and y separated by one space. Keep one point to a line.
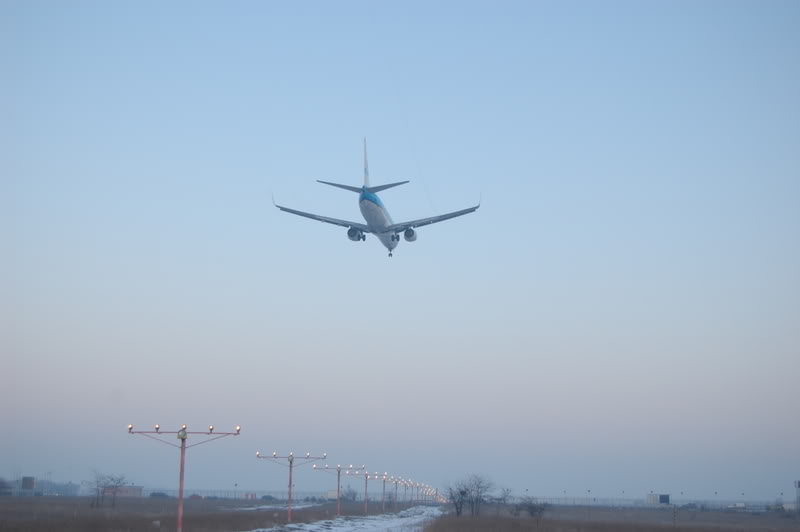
622 313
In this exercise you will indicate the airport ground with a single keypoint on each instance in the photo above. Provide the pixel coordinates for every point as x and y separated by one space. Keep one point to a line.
617 519
73 514
140 514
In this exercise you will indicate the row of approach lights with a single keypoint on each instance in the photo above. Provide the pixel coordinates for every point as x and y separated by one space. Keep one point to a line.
291 455
399 480
182 433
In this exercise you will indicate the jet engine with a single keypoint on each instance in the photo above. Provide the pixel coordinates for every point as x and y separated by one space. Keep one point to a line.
355 235
410 235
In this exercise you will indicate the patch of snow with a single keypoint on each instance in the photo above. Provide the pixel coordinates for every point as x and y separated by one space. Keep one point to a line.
410 520
278 506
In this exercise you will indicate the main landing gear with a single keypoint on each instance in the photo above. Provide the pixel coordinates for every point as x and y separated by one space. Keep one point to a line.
390 253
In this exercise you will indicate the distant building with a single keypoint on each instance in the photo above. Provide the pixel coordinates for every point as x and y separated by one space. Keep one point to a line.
123 491
68 489
658 498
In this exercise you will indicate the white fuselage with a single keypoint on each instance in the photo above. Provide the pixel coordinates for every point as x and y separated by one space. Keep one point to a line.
377 218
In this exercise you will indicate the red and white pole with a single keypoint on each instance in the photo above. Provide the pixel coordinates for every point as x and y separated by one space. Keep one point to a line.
182 436
291 465
338 489
366 479
383 497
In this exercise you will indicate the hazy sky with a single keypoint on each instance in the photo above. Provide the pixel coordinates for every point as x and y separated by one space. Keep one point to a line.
622 313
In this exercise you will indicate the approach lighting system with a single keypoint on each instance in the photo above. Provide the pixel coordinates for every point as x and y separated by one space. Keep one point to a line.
292 462
182 434
338 469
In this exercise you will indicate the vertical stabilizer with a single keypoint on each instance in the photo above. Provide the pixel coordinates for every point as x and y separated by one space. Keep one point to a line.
366 165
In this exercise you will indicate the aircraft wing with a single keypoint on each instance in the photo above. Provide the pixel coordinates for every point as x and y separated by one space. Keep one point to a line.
326 219
399 228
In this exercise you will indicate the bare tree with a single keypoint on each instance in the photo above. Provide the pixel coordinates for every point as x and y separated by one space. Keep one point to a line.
97 485
502 499
534 508
478 487
113 484
349 494
458 494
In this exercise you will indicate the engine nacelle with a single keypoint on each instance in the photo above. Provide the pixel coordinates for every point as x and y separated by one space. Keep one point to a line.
410 235
355 235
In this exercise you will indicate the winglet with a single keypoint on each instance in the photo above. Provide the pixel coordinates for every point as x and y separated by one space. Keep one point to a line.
366 165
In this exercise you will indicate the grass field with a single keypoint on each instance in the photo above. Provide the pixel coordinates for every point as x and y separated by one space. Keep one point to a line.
74 514
599 519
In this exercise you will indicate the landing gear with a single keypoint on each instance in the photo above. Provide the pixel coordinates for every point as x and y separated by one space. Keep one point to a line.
390 253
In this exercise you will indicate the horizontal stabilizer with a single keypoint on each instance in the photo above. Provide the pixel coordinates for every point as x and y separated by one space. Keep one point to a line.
377 189
357 190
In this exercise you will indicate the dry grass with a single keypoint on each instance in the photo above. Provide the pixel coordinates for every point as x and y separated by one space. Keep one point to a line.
577 519
74 514
500 524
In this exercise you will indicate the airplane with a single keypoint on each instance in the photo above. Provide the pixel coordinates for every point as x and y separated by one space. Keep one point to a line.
379 223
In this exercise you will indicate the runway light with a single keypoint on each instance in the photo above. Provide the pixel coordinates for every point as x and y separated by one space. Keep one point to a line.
157 427
130 428
210 429
238 429
258 453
